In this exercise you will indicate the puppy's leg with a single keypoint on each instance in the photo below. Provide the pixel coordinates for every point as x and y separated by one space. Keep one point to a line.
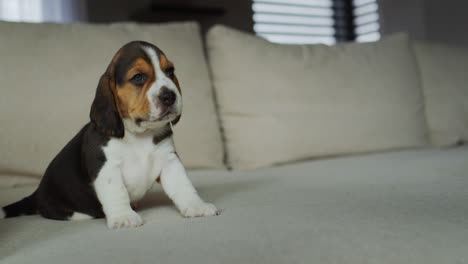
178 187
113 195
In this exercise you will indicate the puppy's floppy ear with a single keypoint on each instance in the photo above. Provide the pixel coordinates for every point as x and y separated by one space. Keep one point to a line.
104 113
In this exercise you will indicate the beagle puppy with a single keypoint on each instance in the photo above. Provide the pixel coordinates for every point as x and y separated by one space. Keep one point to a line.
125 148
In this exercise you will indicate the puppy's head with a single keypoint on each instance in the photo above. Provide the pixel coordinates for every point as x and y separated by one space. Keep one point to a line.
138 92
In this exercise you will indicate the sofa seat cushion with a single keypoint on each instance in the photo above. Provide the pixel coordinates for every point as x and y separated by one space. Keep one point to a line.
281 103
400 207
49 75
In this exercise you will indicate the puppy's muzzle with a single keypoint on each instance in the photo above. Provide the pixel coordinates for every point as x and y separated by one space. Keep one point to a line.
167 97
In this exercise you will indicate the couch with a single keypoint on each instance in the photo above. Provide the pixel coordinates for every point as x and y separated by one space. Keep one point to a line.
351 153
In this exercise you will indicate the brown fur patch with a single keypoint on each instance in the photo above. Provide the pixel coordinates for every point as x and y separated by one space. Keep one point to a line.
164 63
132 100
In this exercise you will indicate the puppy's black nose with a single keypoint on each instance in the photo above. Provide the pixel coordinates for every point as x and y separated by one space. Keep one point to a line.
167 97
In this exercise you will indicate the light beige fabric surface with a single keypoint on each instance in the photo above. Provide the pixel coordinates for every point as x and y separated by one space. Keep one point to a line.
444 74
14 181
403 207
49 74
281 103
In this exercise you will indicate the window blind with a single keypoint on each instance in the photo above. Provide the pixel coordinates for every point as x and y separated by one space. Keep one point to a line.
316 21
21 10
37 11
366 20
294 21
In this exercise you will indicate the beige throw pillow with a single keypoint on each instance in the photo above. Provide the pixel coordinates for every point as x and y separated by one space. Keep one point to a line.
444 74
281 103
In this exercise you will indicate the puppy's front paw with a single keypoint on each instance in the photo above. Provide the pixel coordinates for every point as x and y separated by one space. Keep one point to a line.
199 208
129 219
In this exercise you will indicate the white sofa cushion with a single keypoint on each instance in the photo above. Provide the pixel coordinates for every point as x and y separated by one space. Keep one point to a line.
445 83
49 74
389 208
281 103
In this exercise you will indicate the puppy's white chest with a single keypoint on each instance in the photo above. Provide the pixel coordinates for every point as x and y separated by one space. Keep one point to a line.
139 172
141 163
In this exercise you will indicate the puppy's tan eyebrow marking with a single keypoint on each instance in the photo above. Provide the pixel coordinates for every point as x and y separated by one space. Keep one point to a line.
140 66
164 63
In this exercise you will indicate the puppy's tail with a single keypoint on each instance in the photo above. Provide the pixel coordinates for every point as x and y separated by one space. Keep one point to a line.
26 206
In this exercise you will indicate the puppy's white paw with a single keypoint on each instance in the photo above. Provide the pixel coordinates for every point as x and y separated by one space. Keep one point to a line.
129 219
199 208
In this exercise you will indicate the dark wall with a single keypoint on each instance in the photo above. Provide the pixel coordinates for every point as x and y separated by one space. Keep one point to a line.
402 15
236 13
446 21
105 11
434 20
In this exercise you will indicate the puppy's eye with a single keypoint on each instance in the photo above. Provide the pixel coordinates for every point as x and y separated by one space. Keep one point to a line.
138 79
170 72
